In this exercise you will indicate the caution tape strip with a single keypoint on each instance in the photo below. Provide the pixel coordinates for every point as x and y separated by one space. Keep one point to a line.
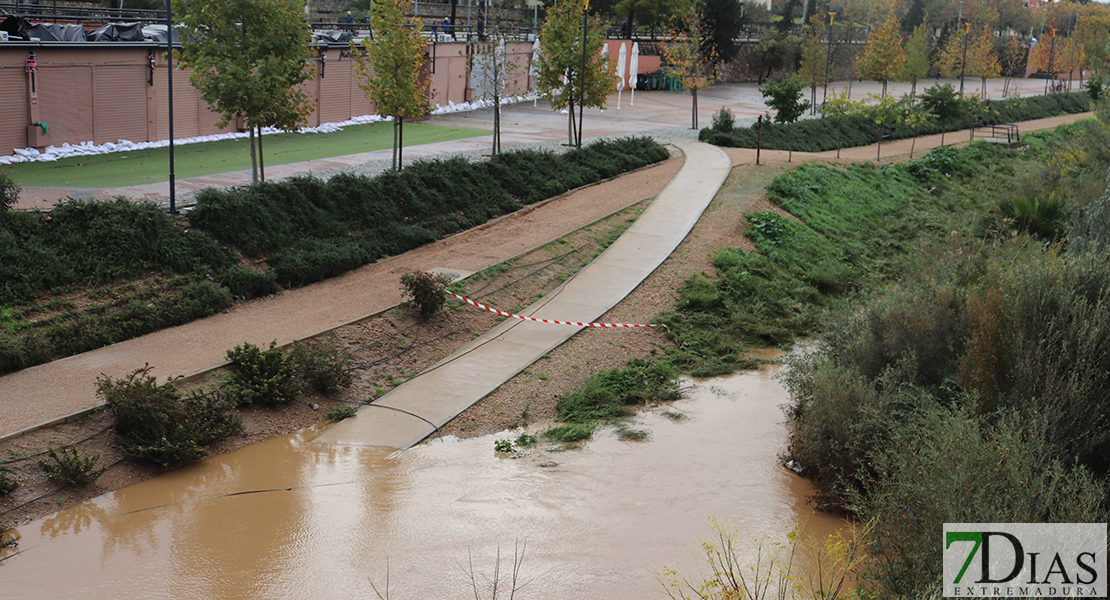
508 314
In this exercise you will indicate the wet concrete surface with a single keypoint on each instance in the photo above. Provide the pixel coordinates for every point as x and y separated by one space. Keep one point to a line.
421 405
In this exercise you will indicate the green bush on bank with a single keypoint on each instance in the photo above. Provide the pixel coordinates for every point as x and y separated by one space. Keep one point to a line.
156 425
85 243
992 365
829 133
608 394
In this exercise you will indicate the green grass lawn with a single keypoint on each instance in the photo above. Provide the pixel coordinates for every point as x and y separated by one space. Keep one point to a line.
209 158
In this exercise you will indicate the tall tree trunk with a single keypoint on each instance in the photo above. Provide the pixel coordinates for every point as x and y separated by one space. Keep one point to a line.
261 155
570 123
254 158
694 112
400 142
394 163
496 124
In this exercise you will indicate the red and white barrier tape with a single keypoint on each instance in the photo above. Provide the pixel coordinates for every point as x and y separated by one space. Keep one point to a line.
508 314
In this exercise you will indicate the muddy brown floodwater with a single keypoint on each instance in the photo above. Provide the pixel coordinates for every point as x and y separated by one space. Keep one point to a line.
293 518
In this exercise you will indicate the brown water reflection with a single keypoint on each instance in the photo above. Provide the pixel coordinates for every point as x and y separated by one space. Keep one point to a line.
291 518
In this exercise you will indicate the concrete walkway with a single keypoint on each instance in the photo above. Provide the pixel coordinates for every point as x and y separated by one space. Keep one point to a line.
412 411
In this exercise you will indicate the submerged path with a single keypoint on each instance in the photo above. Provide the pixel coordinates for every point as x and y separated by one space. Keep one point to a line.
415 409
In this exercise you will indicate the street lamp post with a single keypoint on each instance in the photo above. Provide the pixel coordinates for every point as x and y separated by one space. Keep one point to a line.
963 61
582 90
828 60
169 77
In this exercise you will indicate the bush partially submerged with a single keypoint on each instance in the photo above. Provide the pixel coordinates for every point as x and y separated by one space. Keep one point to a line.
608 394
8 484
156 425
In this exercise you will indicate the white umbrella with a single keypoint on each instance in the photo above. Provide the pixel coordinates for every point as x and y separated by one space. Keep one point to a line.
621 60
533 69
632 69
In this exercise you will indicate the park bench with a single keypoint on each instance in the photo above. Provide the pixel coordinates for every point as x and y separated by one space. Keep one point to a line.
997 133
886 133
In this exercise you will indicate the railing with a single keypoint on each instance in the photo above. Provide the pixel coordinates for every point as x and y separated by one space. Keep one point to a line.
437 33
998 132
41 12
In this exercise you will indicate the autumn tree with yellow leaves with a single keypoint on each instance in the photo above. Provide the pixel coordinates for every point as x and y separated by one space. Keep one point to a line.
688 57
389 69
883 57
814 54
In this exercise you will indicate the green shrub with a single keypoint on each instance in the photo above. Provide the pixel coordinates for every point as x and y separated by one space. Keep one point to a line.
1041 216
608 394
322 365
526 440
1089 227
155 425
21 352
339 413
570 433
504 446
724 121
830 133
261 376
942 480
71 467
9 192
246 283
136 317
425 292
8 484
311 260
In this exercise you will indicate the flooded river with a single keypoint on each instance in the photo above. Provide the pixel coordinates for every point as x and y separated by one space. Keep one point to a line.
291 518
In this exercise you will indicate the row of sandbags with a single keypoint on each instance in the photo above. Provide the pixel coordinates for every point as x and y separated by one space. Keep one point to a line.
19 28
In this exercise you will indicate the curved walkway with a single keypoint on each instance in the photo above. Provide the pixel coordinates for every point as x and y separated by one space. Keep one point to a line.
412 411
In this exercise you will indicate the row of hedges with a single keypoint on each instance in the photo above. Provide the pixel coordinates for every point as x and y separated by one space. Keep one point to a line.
305 228
827 133
311 230
87 243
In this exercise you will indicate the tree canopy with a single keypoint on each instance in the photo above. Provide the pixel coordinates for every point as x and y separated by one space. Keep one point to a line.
249 59
390 68
883 57
559 75
720 25
689 53
814 53
917 57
